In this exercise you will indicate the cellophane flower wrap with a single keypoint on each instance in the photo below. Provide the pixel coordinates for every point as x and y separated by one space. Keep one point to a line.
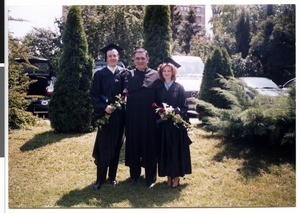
168 112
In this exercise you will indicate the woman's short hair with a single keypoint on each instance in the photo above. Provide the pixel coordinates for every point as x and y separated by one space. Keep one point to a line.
173 69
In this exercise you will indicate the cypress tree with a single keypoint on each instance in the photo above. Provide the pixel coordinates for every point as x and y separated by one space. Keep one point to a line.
157 33
176 20
242 34
189 30
218 64
70 108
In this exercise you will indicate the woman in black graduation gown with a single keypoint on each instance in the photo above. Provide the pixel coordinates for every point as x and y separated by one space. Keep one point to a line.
174 158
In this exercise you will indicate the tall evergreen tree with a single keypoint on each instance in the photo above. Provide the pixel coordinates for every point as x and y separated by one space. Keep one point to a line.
189 30
218 64
70 108
176 20
274 44
157 33
242 34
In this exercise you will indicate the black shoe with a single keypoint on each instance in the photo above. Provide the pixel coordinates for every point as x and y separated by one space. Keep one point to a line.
133 181
113 182
97 185
151 185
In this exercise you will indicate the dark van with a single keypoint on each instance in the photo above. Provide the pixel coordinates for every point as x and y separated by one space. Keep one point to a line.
39 91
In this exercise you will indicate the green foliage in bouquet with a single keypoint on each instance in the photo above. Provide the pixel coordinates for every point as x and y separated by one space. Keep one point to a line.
114 106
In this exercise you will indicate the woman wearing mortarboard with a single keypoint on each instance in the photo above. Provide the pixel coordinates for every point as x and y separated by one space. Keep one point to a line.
174 160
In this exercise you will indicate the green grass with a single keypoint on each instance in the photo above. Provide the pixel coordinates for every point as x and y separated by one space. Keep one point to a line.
47 169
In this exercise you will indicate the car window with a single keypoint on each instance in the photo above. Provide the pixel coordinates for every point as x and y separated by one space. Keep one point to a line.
263 86
258 82
40 71
190 66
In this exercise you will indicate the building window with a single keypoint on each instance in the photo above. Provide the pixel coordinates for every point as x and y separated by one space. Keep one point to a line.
199 9
199 19
184 8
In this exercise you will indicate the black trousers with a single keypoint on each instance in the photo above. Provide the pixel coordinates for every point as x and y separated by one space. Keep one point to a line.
112 168
150 171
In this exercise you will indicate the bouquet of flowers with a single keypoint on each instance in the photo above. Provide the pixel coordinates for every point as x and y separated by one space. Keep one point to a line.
115 105
168 112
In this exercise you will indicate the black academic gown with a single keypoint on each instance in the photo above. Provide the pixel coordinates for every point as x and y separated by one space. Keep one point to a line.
141 146
174 153
105 87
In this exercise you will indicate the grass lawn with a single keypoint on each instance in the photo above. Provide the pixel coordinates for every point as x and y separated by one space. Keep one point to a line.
47 169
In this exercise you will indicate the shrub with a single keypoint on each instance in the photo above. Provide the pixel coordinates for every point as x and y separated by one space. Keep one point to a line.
218 64
18 83
264 119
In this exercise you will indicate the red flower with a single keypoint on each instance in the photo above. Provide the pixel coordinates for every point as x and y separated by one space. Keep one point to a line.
161 110
154 105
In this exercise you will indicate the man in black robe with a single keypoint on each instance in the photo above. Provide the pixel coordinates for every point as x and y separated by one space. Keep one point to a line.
141 147
107 83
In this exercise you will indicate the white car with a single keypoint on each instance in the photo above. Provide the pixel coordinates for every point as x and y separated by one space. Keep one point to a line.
263 86
189 75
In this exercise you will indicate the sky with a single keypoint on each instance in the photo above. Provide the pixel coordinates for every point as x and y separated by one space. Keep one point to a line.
41 16
36 16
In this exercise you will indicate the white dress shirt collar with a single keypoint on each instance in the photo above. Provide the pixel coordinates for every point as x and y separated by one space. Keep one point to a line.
112 69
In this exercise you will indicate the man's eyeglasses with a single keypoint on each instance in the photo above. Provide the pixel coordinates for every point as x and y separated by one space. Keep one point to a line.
138 58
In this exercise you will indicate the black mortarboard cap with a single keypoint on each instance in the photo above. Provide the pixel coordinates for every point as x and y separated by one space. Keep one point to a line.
171 61
110 47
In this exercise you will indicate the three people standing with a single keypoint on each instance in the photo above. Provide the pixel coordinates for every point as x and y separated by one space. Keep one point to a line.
144 147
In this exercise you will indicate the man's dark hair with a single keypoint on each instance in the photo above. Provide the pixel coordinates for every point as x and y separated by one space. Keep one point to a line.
141 50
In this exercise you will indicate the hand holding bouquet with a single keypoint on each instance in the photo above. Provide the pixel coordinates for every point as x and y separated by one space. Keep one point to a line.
113 106
168 112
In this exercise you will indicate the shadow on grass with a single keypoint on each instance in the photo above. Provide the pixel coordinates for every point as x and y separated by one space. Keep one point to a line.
257 158
124 194
45 139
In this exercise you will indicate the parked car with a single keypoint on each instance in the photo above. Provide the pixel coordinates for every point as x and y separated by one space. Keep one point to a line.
39 105
287 85
100 64
290 83
263 86
189 75
39 92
